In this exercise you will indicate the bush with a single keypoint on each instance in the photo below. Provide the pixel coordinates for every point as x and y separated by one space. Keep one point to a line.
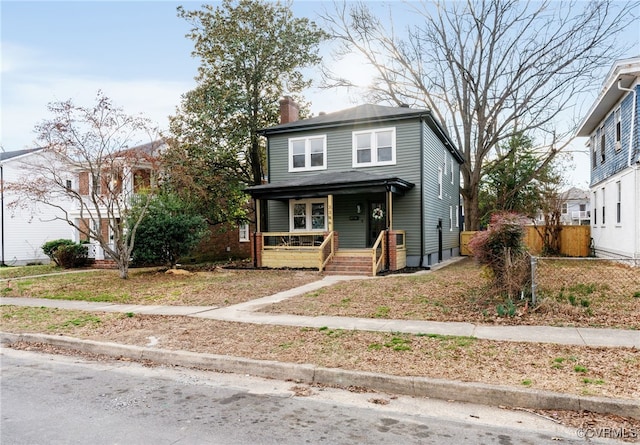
50 247
501 248
167 232
66 253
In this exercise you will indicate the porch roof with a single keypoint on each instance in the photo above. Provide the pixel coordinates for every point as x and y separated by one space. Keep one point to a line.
330 183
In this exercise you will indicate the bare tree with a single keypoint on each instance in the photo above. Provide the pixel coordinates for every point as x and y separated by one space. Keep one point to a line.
487 69
92 147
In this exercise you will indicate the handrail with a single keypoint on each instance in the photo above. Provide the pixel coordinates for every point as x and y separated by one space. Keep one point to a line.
377 262
327 241
292 240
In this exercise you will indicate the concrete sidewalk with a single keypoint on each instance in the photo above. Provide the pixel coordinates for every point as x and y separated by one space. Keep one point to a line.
247 313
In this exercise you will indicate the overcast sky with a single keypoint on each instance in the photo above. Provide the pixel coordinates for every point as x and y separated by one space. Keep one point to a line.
136 52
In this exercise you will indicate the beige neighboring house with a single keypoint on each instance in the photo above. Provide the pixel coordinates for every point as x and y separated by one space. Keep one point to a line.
26 227
576 207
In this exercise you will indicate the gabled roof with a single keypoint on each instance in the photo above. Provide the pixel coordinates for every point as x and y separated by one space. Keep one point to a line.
624 71
6 155
322 184
366 114
575 194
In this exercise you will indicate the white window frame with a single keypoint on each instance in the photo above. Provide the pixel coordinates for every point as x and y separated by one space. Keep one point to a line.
451 170
307 153
450 218
618 128
445 161
457 217
440 182
619 202
604 219
308 216
374 146
243 232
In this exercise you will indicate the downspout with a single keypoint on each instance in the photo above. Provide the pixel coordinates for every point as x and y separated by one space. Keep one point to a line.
634 106
421 264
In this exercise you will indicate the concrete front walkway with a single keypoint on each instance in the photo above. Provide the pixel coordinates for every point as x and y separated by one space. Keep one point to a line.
247 313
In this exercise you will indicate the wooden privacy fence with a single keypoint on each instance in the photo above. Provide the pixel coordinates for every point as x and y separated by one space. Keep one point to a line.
574 241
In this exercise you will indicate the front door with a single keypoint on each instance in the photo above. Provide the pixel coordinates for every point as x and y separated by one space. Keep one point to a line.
377 221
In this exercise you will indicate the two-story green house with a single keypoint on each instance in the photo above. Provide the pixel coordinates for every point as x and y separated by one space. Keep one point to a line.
361 190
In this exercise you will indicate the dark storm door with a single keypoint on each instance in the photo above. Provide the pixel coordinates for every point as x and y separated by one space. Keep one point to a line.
377 221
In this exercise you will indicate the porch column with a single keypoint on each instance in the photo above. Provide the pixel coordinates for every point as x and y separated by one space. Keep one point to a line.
330 213
257 204
390 210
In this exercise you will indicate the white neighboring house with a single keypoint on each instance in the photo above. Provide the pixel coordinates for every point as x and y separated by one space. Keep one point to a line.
576 207
612 128
26 228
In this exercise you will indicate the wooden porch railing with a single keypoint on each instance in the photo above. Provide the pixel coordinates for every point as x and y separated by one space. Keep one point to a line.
378 252
327 251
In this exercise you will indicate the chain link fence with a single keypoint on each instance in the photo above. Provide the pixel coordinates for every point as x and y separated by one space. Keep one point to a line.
576 280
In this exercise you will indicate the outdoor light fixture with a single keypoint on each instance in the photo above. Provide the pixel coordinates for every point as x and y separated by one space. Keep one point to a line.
358 208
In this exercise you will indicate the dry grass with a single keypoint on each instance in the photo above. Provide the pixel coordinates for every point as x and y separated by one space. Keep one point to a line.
610 372
219 287
460 292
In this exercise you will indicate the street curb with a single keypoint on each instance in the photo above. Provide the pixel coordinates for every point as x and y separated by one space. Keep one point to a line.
493 395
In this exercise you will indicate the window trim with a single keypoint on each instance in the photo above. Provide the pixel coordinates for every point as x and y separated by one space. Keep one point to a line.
603 138
308 216
618 129
307 153
604 219
619 203
374 152
243 233
440 182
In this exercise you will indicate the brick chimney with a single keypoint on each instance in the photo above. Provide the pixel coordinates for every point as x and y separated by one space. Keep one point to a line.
288 110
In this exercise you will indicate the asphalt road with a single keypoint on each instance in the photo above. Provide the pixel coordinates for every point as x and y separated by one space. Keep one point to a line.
50 399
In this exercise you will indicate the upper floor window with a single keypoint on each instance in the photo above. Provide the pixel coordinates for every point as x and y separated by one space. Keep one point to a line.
565 208
308 214
451 171
308 153
594 151
618 129
374 147
602 141
440 182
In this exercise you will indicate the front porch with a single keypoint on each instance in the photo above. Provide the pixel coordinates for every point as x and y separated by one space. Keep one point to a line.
315 250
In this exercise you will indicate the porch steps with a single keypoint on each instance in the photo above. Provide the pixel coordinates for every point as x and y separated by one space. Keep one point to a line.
350 263
103 264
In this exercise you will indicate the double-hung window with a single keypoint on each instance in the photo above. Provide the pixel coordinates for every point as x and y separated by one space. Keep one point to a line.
243 232
619 202
308 215
618 129
308 153
374 147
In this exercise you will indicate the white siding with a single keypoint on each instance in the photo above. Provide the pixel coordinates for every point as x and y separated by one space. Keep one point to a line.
28 227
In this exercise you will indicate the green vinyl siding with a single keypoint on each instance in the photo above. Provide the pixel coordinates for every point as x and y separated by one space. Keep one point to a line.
412 136
435 207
